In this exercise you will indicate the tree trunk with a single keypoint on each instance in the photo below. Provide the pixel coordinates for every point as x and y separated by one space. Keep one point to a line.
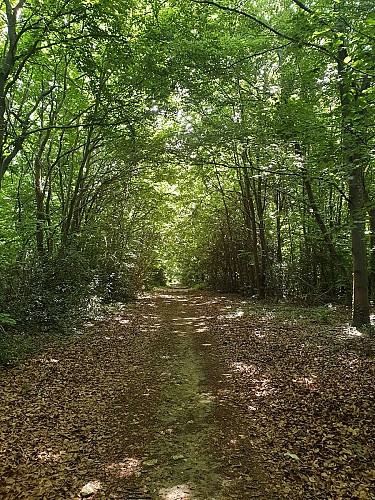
250 221
40 216
334 257
262 232
350 92
361 307
279 251
372 255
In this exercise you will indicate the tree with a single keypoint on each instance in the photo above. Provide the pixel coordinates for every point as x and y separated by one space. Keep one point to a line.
328 31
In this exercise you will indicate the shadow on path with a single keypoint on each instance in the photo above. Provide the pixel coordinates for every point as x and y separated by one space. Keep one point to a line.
192 422
136 408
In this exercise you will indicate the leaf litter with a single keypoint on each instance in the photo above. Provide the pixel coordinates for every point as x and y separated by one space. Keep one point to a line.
197 396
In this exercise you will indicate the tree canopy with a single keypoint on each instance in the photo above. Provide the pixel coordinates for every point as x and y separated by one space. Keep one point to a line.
224 144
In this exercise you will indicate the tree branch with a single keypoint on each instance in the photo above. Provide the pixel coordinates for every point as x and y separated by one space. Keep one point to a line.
266 51
278 33
303 6
249 16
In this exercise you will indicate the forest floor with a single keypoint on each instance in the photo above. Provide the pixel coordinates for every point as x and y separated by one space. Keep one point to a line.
190 395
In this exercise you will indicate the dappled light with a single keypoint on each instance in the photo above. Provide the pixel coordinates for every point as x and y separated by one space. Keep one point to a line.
244 368
262 386
179 298
46 456
308 382
46 361
187 399
125 468
187 250
206 398
351 332
90 489
235 314
179 492
124 321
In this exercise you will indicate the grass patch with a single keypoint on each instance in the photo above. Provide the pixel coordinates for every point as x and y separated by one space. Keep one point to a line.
290 313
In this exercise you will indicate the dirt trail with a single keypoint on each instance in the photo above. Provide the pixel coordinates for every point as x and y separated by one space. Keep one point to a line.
191 396
184 419
193 426
138 408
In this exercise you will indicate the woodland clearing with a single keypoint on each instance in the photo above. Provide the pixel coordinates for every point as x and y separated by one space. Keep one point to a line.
191 395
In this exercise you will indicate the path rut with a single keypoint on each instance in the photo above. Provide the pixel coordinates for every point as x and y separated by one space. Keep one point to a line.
138 409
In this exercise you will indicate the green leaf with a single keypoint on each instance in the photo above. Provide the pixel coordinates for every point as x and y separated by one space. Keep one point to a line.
150 463
292 455
6 319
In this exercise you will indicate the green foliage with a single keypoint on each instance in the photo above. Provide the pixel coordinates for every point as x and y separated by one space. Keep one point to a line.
158 277
113 283
54 291
15 347
323 314
217 156
6 320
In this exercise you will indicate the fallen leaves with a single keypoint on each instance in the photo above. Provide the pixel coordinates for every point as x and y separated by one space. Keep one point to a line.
289 400
65 414
314 425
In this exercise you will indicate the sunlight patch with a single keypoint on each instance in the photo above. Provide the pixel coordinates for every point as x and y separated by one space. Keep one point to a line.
46 361
180 492
264 388
120 319
206 398
238 313
48 456
90 489
179 298
244 368
308 382
268 315
351 331
260 333
202 329
124 321
126 468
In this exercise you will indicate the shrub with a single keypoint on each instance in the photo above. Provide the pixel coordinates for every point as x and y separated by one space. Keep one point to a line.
54 291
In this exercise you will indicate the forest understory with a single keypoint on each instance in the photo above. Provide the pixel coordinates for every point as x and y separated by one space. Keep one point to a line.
187 395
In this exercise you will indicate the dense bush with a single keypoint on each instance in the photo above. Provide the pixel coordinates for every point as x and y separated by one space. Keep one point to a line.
113 283
52 291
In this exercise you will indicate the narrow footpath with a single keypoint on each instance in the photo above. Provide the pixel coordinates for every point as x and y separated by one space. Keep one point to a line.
136 408
186 395
193 421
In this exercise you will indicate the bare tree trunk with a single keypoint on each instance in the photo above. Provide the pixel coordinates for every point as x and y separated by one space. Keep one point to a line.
372 255
335 261
279 251
259 187
354 159
361 306
40 214
250 221
233 257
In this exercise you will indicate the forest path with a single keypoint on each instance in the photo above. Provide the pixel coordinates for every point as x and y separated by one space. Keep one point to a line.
193 420
138 407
